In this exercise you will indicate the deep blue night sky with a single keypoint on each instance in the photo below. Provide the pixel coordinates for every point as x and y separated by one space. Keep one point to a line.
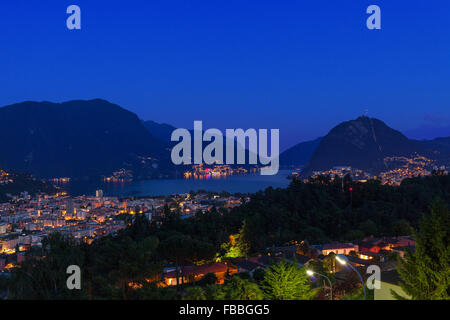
301 66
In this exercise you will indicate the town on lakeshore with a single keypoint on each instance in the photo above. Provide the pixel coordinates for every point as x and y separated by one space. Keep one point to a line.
398 168
26 220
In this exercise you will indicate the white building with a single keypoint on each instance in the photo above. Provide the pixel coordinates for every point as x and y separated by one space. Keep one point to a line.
3 228
99 194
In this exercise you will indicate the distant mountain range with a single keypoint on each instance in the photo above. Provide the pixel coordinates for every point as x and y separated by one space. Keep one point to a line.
427 132
77 139
362 143
90 138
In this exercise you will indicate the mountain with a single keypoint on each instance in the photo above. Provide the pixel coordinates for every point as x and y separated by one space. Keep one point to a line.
442 144
427 132
75 139
364 143
162 131
299 154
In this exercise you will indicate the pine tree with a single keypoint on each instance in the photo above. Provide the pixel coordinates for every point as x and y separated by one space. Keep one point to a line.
286 281
425 273
238 245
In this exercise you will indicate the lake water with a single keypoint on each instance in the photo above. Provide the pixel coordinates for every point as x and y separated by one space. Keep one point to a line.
248 183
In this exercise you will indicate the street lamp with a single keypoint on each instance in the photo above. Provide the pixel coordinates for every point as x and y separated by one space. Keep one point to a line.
311 273
344 261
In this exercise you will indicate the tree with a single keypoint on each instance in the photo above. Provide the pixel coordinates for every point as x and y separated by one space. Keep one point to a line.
211 291
303 248
258 275
120 262
194 293
239 289
181 249
140 228
242 242
286 281
352 235
425 273
135 264
368 227
209 278
175 249
200 251
401 227
329 263
40 279
238 245
150 291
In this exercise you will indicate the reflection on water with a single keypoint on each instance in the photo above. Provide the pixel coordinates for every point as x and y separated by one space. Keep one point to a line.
242 183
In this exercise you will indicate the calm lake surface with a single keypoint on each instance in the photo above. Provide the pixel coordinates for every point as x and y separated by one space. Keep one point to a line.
248 183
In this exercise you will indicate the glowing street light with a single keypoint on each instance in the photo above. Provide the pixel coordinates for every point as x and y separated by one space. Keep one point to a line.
311 273
344 261
341 261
